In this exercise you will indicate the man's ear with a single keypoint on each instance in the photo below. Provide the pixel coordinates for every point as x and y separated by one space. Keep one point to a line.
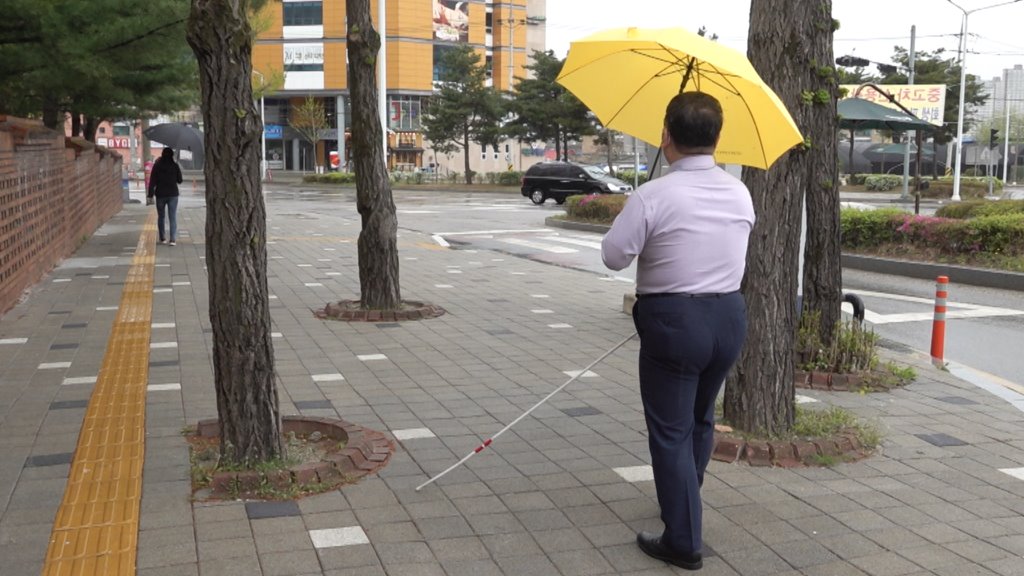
666 139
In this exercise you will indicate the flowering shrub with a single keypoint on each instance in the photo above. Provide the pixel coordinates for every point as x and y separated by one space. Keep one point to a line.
598 208
997 234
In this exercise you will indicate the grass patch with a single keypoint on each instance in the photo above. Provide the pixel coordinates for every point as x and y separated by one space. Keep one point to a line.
810 423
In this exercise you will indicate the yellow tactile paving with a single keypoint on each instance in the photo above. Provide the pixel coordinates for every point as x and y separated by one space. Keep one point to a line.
97 525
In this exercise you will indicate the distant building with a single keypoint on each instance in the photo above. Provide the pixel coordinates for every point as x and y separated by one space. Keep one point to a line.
1002 91
305 39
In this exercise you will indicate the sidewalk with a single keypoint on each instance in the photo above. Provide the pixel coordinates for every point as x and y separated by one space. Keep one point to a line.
563 493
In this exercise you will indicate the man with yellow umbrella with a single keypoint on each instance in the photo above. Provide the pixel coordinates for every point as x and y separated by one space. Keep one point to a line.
688 231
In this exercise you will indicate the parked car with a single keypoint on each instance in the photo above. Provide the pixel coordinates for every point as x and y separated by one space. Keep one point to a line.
559 180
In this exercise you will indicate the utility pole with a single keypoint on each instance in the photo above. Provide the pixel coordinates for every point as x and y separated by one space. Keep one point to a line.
511 22
963 86
1006 131
910 134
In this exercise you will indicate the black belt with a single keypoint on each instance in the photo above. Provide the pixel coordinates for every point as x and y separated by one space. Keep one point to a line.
685 295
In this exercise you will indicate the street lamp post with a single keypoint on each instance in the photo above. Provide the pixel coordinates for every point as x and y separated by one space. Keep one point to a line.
963 86
263 136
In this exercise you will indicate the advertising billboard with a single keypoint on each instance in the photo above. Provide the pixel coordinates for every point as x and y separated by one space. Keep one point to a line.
926 101
451 21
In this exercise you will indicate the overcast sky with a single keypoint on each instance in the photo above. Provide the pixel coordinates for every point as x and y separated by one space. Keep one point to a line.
868 28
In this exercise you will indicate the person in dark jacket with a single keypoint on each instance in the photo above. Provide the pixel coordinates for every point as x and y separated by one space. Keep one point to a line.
163 183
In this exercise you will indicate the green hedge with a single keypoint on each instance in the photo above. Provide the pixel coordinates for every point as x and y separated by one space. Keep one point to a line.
330 178
598 208
883 182
627 176
976 208
997 234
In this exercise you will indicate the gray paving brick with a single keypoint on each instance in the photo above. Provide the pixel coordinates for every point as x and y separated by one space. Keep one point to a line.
885 564
581 562
290 563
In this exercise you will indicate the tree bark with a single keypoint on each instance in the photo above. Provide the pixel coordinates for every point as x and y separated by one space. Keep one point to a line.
558 143
51 113
609 141
378 240
465 154
823 272
89 128
236 253
759 397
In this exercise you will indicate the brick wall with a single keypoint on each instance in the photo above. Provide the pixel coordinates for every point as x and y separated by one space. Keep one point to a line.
54 193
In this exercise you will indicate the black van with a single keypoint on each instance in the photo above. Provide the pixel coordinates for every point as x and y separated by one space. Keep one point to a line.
560 180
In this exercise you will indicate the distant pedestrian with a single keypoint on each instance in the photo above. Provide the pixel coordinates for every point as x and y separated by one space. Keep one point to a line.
689 231
163 183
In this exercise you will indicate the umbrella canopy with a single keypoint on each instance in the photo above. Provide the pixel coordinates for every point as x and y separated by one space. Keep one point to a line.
858 114
176 135
627 76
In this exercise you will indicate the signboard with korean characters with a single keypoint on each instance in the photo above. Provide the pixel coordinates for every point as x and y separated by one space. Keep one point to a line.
926 101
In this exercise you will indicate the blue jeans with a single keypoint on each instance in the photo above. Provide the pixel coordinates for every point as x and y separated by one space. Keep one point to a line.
167 204
687 347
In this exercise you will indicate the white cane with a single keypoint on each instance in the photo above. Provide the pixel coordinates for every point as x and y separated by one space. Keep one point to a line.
488 442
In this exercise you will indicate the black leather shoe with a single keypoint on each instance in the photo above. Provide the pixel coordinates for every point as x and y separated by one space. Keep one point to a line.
652 545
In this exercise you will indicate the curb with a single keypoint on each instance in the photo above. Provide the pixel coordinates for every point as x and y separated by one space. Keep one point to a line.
926 271
999 279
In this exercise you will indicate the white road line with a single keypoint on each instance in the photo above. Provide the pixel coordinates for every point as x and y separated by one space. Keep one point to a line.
574 242
332 377
163 387
539 246
580 373
79 380
13 340
1017 473
439 238
479 232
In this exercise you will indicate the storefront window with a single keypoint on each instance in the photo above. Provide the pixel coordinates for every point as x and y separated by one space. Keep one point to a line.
404 112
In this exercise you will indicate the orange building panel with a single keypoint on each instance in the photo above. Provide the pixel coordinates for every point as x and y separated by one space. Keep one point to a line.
334 19
335 75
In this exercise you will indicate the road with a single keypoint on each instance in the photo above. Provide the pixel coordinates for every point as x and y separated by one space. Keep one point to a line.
983 332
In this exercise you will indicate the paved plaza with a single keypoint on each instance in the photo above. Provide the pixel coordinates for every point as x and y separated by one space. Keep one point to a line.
563 493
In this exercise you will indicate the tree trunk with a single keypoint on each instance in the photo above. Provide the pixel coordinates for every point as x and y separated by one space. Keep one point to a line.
236 220
759 397
378 241
76 124
89 128
146 153
609 141
558 143
465 154
823 272
51 113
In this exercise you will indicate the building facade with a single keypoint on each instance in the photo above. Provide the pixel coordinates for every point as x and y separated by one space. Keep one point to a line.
305 41
1002 91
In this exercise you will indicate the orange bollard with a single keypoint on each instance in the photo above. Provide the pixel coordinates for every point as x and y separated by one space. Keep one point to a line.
939 323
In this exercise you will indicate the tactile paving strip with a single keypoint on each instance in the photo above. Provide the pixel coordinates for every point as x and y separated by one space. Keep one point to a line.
97 525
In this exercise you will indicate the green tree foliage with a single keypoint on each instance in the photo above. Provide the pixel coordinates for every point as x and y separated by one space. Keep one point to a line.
544 110
936 68
464 110
104 59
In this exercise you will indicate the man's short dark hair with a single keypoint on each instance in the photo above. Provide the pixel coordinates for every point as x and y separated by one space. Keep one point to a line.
694 120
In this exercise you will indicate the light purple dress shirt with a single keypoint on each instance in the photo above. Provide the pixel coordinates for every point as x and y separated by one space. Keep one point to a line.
689 228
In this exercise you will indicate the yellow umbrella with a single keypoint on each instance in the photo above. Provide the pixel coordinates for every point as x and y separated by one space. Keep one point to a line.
626 76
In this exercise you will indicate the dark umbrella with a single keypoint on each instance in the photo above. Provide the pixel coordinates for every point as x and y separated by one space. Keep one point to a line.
176 135
859 114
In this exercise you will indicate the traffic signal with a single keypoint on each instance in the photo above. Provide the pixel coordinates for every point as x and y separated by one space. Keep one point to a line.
852 61
993 137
